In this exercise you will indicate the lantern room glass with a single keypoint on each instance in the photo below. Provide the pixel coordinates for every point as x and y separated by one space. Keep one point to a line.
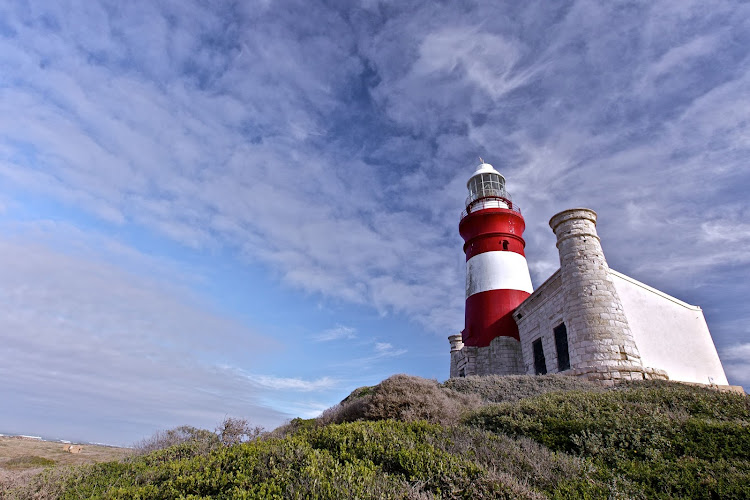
486 184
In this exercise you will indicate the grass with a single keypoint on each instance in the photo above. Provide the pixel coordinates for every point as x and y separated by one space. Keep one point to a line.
27 462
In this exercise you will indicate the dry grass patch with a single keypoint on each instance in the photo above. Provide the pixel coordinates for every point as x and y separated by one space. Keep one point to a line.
22 459
405 398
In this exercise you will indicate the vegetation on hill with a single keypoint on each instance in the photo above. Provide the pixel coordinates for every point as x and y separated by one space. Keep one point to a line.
480 437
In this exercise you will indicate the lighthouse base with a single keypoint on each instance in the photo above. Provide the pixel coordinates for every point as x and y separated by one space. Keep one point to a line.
502 357
609 375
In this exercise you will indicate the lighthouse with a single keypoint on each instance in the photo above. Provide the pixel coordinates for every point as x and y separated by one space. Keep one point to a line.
497 275
586 320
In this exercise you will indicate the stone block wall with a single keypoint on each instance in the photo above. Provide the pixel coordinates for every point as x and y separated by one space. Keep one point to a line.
457 357
608 376
501 357
598 331
536 318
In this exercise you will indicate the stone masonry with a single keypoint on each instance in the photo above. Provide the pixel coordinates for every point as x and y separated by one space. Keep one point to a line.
601 345
536 318
501 357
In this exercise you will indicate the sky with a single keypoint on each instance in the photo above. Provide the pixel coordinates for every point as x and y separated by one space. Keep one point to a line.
250 208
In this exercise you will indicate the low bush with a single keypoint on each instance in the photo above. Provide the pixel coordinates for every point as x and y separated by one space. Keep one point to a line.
633 421
192 441
234 431
497 388
405 398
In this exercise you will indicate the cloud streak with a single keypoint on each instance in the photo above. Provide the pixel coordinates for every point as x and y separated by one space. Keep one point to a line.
338 333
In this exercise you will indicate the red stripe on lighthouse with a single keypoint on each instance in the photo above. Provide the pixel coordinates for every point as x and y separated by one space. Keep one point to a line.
490 314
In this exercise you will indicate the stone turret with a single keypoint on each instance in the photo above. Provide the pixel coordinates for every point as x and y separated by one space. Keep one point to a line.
457 345
601 342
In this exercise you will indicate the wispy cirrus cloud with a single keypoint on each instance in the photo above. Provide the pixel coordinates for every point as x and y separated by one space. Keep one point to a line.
340 332
385 349
736 360
294 384
166 137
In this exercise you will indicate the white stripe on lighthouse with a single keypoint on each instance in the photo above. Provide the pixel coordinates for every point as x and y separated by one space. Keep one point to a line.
497 271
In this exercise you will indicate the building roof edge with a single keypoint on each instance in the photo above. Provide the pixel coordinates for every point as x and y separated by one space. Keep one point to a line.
654 290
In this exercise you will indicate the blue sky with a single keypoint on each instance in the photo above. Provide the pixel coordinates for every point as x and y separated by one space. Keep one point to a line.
251 208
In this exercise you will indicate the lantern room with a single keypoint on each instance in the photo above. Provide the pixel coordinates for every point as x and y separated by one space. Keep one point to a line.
486 190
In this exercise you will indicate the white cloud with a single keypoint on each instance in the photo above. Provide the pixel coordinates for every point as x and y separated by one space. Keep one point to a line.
487 60
736 361
338 333
677 60
307 409
294 384
384 349
737 352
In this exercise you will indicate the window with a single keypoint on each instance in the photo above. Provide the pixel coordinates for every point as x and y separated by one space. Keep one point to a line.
540 366
505 244
561 343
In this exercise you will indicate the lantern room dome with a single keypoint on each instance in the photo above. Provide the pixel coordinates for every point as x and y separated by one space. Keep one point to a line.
485 168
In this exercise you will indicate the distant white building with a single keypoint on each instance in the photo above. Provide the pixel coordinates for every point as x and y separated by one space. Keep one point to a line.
586 320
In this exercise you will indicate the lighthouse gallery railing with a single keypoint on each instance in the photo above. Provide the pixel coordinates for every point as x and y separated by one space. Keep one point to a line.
490 203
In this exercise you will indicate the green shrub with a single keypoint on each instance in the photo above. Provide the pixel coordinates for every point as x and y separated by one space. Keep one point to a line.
383 459
292 426
688 477
634 421
698 439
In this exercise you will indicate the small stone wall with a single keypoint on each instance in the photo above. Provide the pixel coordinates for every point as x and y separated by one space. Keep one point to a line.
501 357
608 376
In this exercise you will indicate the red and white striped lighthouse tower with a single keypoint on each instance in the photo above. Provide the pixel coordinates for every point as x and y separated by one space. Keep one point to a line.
497 275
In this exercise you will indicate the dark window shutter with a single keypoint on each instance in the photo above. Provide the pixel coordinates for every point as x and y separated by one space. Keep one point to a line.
561 343
540 366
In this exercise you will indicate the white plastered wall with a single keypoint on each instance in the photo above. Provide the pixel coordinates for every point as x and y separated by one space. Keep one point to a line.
670 334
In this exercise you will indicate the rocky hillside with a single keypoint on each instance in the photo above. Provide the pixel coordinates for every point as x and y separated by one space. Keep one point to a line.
483 437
